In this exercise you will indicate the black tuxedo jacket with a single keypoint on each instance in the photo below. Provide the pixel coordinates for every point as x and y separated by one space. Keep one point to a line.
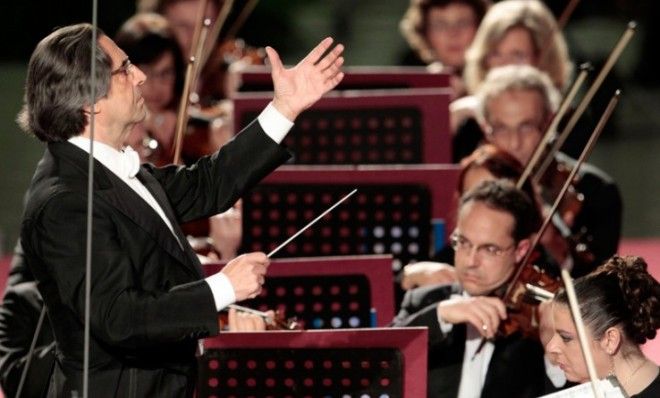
516 368
149 303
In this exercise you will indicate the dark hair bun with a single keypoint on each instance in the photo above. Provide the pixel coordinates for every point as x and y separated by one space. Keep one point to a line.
641 293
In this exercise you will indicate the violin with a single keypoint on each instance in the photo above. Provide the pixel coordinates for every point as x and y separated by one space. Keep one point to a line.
528 280
532 287
207 81
217 79
551 184
207 131
277 322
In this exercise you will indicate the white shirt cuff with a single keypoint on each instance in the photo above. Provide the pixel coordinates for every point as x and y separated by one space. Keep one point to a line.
445 327
223 291
274 124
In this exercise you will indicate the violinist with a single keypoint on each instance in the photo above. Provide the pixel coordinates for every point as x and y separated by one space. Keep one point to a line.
181 16
149 300
487 162
149 43
517 102
620 305
214 83
495 225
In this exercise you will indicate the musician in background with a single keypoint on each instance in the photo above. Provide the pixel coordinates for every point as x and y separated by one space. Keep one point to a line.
214 82
149 43
439 32
517 103
620 306
513 32
182 17
495 225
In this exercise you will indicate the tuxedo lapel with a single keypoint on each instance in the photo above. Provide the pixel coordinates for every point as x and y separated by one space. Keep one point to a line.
161 197
124 199
111 189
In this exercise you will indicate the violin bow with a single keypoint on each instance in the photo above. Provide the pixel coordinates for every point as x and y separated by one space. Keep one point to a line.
611 60
586 151
184 101
215 32
550 132
263 315
241 18
566 14
557 28
195 64
581 332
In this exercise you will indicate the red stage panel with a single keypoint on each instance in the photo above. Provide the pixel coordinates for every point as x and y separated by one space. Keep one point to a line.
377 362
257 78
298 287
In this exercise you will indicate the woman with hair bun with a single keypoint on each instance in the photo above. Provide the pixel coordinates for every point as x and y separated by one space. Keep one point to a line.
620 306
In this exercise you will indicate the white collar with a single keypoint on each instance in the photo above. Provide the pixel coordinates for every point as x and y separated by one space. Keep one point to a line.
124 163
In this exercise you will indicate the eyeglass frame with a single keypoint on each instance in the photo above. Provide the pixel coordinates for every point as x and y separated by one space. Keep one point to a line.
126 67
483 250
506 132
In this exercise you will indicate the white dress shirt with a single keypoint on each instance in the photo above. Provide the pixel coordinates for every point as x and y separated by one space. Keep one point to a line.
274 124
475 366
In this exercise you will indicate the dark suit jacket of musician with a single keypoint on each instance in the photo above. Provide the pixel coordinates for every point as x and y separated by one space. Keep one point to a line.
599 222
149 304
516 368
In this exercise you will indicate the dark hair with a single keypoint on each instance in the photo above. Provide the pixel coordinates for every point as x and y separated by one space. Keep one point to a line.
413 24
159 6
145 37
498 162
479 7
58 83
503 195
619 292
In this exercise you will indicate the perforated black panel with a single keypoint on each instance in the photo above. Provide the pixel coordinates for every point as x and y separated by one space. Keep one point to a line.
379 219
277 372
357 136
327 302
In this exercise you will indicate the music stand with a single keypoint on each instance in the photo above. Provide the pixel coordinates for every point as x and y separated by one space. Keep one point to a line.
257 78
365 127
391 213
387 362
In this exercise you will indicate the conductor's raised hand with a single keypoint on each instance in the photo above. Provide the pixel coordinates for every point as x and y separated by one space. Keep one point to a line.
246 273
297 88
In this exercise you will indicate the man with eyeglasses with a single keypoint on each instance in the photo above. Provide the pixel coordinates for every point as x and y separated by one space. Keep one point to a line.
149 300
517 103
493 233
